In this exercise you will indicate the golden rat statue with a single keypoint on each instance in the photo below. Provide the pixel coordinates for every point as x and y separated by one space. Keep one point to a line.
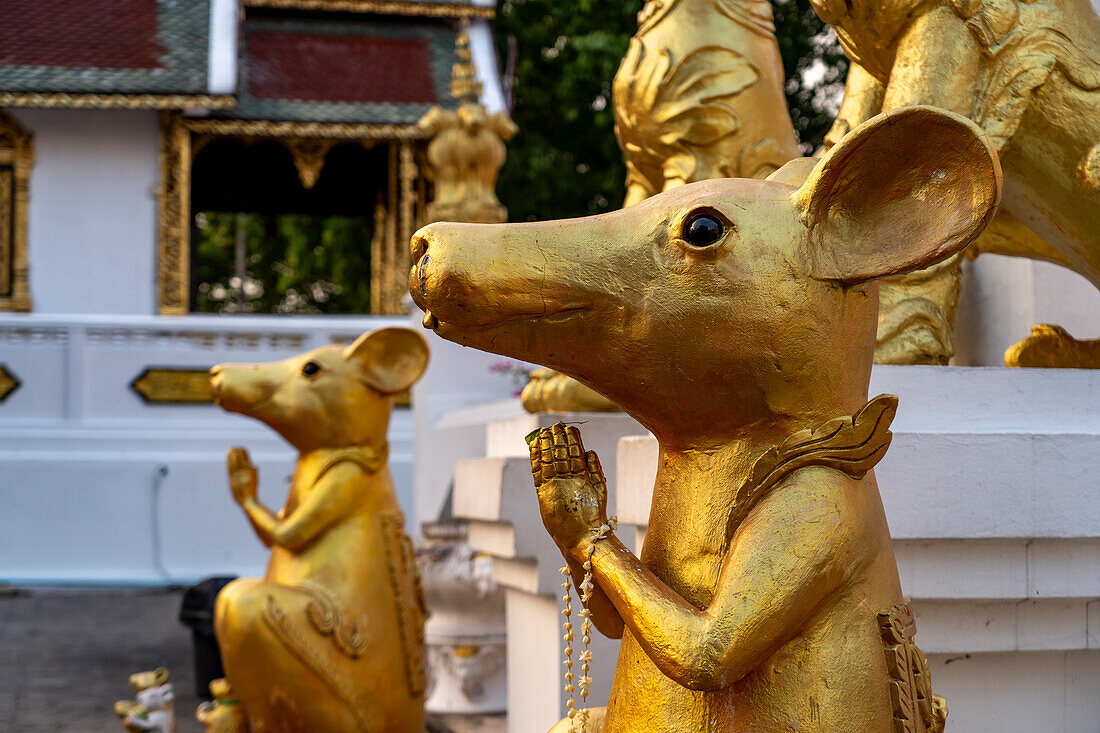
735 319
1029 74
699 95
331 638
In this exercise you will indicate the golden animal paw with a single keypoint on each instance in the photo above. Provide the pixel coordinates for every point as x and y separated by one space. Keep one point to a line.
570 483
549 391
1052 347
242 475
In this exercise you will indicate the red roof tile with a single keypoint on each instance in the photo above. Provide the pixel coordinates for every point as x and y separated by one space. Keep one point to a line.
118 34
287 65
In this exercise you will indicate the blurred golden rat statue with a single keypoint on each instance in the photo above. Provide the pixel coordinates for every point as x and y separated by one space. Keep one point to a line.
1029 74
331 638
735 319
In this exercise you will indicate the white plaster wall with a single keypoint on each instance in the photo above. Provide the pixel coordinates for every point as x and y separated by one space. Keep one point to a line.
456 377
1003 297
92 219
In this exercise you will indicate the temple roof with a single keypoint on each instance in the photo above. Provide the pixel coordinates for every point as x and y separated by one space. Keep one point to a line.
326 61
346 71
104 46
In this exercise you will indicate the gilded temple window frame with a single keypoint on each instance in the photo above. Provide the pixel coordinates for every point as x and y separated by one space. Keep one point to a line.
180 140
16 160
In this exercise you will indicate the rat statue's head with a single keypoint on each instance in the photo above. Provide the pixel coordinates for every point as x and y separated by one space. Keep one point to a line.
331 397
722 303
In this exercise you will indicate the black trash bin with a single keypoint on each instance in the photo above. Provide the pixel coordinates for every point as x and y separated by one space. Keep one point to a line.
197 613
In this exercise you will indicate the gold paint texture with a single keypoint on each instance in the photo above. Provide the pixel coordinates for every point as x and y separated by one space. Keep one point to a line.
331 638
1029 74
735 319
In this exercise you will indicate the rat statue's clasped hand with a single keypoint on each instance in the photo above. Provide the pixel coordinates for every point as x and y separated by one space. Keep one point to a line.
243 477
571 487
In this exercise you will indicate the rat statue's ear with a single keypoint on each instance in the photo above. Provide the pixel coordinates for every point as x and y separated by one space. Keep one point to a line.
391 359
901 192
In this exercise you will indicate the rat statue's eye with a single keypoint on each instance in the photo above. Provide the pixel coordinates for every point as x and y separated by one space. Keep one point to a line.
310 368
703 230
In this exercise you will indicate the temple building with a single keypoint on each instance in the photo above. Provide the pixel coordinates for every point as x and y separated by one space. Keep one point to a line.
134 134
271 107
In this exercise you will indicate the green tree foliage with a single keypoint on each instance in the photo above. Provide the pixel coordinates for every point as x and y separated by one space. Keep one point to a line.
564 162
297 264
815 68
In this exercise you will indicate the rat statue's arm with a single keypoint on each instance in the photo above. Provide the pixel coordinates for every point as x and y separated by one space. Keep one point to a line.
765 590
323 506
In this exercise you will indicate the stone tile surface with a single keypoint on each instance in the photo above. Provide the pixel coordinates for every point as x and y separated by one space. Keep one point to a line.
66 656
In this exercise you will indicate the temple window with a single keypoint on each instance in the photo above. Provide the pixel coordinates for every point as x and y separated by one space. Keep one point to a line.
286 228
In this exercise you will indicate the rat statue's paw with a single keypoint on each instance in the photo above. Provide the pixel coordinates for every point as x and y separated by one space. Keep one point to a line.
570 483
242 475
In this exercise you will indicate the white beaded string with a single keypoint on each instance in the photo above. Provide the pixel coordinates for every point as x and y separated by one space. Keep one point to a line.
585 592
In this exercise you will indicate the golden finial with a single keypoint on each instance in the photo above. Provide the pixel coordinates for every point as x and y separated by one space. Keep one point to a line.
464 84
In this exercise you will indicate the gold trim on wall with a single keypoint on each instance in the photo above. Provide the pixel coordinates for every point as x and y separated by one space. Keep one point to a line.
381 7
8 382
173 385
174 216
117 101
16 159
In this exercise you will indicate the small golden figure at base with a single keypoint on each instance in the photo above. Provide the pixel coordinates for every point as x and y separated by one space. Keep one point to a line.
1052 347
224 713
153 706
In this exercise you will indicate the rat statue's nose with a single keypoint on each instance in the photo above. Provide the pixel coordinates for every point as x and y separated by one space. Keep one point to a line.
419 244
421 259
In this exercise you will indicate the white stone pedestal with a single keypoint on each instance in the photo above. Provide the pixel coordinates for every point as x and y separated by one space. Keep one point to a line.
992 491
